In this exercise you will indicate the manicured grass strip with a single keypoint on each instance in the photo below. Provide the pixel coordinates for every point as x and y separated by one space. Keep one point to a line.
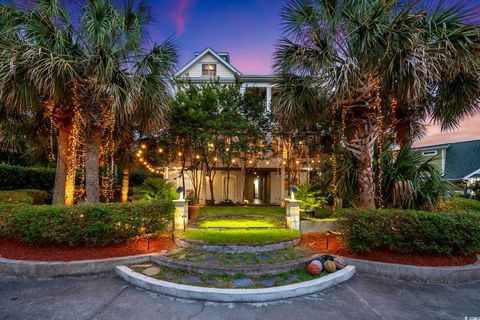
267 211
243 236
240 223
459 203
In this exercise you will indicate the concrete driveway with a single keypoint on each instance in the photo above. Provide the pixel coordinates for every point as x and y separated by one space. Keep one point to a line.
108 297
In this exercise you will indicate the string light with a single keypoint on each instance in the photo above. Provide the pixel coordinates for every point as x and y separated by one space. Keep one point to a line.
344 124
380 140
50 106
394 104
72 149
333 159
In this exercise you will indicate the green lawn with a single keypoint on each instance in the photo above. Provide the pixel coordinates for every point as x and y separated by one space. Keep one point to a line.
260 210
459 203
240 222
243 236
21 196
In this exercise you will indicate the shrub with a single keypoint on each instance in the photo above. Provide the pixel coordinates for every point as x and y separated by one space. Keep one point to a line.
453 232
460 203
157 189
137 177
39 197
310 197
23 196
99 224
17 177
227 202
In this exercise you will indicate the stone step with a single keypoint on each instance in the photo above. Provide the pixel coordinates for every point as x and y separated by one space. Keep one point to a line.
208 267
183 242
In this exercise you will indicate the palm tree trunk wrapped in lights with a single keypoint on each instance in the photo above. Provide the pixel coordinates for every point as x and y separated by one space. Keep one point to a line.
103 55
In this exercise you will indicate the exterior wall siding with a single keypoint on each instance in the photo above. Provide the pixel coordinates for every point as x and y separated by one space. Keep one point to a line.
195 71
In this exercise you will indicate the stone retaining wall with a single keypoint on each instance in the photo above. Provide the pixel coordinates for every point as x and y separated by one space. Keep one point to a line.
235 295
50 269
200 245
251 270
451 274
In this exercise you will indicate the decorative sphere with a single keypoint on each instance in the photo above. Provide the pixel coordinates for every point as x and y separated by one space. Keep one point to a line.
327 257
330 266
339 263
314 268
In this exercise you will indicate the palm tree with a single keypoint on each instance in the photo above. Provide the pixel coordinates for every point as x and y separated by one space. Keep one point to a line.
37 47
372 63
120 81
94 73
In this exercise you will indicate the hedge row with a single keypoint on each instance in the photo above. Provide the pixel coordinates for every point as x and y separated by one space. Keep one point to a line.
402 231
17 177
99 224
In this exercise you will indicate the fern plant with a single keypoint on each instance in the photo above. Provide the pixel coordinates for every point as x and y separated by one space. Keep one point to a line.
157 189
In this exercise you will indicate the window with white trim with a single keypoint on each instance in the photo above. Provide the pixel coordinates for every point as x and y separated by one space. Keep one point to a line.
209 69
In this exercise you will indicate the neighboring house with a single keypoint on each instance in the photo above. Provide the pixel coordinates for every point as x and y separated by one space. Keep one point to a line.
458 161
267 183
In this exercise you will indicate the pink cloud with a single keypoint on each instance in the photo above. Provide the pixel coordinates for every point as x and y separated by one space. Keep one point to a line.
252 62
469 129
180 15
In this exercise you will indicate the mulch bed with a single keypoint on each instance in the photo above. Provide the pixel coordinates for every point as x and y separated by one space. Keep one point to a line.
318 242
12 249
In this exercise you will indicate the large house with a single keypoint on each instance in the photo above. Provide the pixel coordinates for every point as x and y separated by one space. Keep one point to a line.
266 183
458 161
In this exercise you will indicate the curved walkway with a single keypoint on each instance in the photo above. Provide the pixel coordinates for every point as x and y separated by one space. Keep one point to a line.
107 297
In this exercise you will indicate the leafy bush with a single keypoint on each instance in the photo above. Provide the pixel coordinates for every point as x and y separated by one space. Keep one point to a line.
460 203
310 197
22 196
17 177
157 189
451 232
138 177
227 202
99 224
427 181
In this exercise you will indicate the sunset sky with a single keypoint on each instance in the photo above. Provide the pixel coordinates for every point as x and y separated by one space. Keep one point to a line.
249 29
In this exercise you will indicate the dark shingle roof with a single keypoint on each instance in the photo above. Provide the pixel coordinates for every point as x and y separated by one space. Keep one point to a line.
462 158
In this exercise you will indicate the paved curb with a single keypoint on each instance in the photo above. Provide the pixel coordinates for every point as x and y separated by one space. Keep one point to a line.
50 269
450 274
200 245
258 269
235 295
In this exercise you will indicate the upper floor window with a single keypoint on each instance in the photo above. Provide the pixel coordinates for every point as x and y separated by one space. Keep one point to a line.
209 69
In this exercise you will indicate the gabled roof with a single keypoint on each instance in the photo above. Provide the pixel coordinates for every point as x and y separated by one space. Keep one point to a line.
200 55
462 160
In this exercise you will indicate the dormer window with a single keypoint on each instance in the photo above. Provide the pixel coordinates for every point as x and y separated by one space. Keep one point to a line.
209 69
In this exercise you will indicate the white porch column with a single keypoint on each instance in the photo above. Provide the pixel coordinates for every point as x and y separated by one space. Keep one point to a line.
269 98
282 182
242 89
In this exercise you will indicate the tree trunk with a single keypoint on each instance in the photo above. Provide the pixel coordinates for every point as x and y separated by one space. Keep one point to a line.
92 150
227 195
212 198
362 147
125 182
59 188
